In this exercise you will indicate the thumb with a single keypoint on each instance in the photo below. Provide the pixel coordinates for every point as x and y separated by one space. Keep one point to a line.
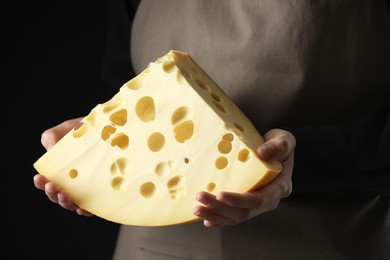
48 140
278 145
52 135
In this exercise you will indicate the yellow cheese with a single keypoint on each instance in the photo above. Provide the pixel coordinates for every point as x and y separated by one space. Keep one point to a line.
141 157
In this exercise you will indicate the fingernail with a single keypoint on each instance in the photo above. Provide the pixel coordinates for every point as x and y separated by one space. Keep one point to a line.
262 150
46 142
196 211
43 140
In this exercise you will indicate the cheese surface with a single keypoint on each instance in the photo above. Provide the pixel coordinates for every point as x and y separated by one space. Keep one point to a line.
141 157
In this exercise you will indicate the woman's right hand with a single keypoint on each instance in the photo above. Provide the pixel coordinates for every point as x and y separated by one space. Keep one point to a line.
50 137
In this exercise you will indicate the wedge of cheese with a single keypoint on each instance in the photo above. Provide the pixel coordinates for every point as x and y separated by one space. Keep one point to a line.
170 132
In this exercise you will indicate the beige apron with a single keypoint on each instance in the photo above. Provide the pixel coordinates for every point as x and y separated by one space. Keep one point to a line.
285 63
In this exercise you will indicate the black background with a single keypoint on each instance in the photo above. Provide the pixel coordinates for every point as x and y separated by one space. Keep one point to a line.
51 71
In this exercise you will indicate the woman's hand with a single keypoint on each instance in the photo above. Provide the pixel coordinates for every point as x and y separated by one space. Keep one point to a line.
53 191
228 208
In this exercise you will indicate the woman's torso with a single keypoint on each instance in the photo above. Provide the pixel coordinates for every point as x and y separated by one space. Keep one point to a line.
285 63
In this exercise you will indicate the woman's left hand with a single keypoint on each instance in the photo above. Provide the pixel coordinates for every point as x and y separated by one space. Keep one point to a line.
228 208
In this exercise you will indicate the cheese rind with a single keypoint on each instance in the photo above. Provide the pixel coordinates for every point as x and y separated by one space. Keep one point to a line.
170 132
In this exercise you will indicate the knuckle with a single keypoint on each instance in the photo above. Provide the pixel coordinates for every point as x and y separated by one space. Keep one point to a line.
262 201
244 215
284 144
52 198
286 189
232 223
274 205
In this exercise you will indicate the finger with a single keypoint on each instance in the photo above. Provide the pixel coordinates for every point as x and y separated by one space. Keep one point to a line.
53 135
39 181
208 223
212 218
83 212
279 145
57 196
65 202
231 215
242 200
51 190
257 205
264 198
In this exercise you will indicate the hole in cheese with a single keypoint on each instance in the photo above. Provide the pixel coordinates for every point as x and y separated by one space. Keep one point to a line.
148 189
168 66
238 133
118 183
119 117
228 137
185 73
175 186
73 173
80 131
180 114
224 147
243 155
211 186
219 106
107 131
121 166
121 140
216 97
156 142
145 109
174 182
136 83
184 131
164 168
221 162
239 127
202 85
